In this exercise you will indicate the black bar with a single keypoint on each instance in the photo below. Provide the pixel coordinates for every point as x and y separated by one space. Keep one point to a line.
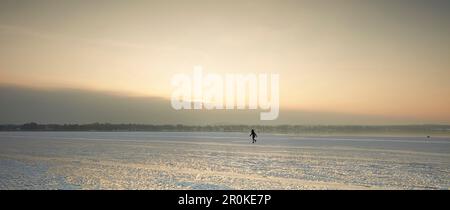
227 199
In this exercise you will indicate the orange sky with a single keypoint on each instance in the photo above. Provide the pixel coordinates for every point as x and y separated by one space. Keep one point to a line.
385 58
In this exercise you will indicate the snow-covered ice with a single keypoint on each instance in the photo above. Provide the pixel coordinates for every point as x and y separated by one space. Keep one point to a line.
195 160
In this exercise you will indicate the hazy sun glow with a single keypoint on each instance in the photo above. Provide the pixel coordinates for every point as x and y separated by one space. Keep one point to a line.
378 58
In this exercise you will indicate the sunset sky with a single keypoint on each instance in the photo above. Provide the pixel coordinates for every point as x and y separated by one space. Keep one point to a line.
377 58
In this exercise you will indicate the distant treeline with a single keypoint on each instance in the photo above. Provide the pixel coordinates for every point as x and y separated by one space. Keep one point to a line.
282 129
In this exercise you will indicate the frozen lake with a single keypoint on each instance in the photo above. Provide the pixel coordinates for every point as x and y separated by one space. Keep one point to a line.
193 160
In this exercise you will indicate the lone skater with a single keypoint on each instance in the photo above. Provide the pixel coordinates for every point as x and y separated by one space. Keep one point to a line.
253 135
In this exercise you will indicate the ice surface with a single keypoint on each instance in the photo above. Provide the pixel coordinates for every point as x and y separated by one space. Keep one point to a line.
190 160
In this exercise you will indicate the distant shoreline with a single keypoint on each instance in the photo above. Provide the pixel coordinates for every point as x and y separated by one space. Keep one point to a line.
313 130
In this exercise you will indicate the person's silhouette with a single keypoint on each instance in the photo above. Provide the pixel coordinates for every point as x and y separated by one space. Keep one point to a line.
253 135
